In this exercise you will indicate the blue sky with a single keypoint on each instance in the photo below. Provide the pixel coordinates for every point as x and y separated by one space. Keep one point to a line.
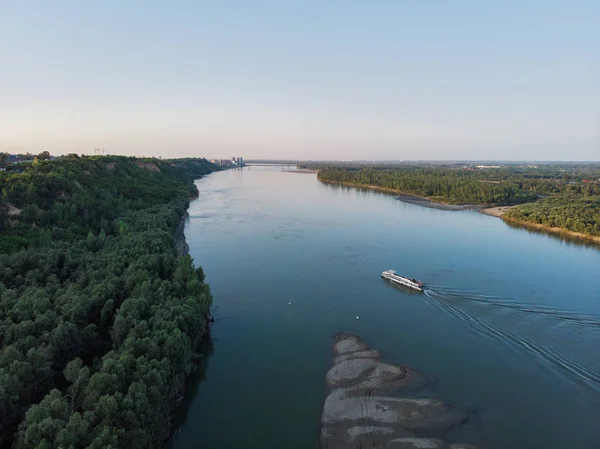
459 79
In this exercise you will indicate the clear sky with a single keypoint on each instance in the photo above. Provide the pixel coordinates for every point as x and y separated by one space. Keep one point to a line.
461 79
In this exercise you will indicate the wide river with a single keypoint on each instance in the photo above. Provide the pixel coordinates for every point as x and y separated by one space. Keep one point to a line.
508 328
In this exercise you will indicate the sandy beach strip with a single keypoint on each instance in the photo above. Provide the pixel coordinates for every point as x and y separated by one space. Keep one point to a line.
495 211
425 202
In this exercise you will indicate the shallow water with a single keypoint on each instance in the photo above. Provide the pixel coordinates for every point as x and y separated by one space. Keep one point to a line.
507 329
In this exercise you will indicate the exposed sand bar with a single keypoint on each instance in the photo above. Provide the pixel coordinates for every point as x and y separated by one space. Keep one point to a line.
425 202
495 211
370 404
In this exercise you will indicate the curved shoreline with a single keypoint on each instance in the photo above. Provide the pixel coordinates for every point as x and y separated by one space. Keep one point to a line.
553 230
182 249
498 211
181 244
487 209
410 198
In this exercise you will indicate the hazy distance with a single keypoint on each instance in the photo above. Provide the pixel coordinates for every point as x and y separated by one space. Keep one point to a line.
388 80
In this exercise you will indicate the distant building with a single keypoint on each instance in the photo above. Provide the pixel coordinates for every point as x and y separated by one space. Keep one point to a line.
237 161
233 162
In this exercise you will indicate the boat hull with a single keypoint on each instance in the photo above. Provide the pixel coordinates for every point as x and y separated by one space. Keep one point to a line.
401 281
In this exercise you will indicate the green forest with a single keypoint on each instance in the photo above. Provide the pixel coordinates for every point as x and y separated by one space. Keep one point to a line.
565 196
576 213
101 317
437 184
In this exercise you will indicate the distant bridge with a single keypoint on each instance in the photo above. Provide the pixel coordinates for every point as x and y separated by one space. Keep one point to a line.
267 165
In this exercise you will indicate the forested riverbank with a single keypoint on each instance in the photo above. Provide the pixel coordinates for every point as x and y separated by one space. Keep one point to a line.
264 225
558 198
576 215
436 184
101 317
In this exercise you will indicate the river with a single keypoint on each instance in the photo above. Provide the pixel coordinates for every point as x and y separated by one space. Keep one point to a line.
508 328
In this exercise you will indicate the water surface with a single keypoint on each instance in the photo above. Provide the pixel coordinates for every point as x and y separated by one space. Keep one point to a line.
508 328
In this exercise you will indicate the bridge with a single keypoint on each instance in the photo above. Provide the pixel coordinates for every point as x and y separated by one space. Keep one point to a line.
266 165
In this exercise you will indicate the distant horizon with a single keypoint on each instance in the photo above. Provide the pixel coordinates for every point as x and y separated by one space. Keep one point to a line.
208 155
504 161
307 81
295 160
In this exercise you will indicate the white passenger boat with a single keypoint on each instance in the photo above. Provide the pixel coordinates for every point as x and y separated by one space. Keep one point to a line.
398 278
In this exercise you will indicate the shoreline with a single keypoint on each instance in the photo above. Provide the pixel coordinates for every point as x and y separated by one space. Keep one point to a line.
498 211
302 170
410 198
426 202
486 209
183 249
181 245
553 230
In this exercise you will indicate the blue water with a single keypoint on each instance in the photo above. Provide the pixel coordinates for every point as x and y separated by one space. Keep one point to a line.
508 328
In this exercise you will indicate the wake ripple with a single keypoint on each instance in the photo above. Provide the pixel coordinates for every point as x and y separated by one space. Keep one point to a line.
556 314
581 373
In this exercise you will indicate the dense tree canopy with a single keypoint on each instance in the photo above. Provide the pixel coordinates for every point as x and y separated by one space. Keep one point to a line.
563 196
576 213
437 184
100 317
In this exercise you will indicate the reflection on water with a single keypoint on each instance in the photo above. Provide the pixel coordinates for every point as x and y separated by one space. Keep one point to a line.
565 238
507 329
193 385
363 190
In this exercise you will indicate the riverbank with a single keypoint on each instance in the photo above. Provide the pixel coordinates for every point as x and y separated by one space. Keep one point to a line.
183 249
337 233
552 230
302 170
495 211
487 209
181 245
136 272
410 198
426 202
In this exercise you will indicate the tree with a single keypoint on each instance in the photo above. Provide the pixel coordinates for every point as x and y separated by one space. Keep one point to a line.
92 289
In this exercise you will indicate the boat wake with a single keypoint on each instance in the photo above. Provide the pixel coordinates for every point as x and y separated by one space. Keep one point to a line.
556 314
445 300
